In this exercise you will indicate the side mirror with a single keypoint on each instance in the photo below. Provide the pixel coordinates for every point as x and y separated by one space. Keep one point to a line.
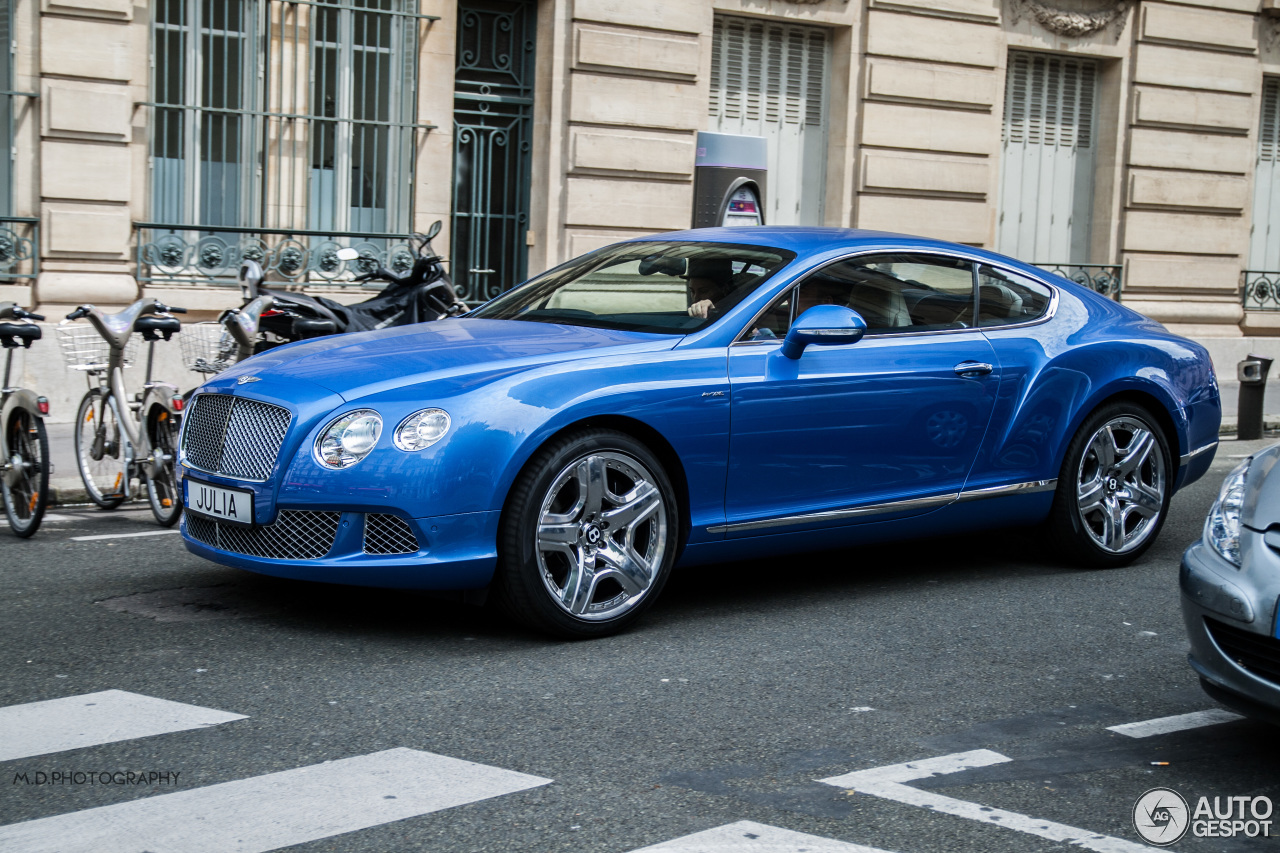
250 277
434 230
348 254
823 325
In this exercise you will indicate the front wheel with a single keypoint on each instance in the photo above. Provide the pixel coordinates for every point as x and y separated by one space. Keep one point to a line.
1114 490
100 451
588 536
25 481
162 482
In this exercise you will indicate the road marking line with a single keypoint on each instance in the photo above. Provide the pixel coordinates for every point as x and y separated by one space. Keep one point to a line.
92 719
746 836
123 535
889 783
276 810
54 517
1176 723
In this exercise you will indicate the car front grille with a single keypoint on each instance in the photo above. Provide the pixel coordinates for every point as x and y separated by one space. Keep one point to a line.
234 436
296 535
1257 653
388 534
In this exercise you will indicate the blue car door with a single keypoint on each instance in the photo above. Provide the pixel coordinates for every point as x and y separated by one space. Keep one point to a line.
882 428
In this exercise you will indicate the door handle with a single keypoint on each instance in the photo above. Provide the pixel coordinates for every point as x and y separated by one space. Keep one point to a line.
972 368
483 272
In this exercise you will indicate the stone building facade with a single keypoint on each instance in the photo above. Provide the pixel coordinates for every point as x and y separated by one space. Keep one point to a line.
156 144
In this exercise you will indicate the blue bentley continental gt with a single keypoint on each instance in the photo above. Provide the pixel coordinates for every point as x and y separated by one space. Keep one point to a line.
695 397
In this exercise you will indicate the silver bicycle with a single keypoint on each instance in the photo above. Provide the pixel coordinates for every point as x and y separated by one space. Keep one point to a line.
120 439
24 444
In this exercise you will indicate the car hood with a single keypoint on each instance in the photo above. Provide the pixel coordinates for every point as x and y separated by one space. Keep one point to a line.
1261 507
357 365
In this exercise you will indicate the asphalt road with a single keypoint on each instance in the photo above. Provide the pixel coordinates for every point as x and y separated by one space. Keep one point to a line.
742 688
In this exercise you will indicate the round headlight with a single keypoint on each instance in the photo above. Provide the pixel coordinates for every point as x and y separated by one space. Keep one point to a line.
350 438
1222 527
422 429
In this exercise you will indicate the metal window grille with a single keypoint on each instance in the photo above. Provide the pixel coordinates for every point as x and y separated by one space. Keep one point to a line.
7 110
19 235
276 122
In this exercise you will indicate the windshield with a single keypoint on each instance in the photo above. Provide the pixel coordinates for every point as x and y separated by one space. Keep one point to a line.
671 288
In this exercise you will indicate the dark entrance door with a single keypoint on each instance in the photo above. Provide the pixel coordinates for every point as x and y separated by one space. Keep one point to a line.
492 143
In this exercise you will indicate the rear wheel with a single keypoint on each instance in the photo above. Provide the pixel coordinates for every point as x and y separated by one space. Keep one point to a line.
100 455
588 536
25 482
1114 490
162 482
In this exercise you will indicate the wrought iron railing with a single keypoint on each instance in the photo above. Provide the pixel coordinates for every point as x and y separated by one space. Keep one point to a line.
1107 279
19 247
190 255
1260 290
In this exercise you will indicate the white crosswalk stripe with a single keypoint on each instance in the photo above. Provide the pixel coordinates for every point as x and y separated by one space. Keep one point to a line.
92 719
273 811
748 837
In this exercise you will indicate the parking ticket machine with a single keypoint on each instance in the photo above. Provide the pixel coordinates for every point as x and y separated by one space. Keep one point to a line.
729 178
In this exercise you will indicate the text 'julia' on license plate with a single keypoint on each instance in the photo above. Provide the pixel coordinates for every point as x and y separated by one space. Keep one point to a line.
232 505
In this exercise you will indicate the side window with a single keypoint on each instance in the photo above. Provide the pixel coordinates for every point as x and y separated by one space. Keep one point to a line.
1005 298
896 293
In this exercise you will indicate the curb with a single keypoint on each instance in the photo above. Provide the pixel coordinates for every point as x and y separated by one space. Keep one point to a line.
1270 423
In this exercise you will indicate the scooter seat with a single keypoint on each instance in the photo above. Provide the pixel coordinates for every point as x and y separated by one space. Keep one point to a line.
153 327
305 327
11 334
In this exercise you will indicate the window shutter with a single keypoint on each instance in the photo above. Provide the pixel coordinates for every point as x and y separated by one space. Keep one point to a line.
1049 100
1269 131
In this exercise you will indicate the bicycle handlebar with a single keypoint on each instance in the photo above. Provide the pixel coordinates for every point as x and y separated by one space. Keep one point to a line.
82 311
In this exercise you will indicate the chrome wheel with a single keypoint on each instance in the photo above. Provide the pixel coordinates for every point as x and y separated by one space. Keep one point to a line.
601 535
1121 485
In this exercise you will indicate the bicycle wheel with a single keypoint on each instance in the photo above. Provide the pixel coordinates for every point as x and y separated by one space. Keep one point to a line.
100 449
162 487
26 484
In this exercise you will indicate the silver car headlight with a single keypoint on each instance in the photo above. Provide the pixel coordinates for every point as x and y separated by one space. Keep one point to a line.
348 439
422 429
1222 527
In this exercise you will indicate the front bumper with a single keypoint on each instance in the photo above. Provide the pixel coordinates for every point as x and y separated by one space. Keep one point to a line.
1230 614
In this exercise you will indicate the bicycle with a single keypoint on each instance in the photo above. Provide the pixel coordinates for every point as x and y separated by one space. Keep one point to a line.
115 445
24 443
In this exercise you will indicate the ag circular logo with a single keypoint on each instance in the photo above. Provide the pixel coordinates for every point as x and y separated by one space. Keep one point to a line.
1161 816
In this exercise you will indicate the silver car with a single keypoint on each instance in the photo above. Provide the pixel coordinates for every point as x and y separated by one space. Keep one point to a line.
1230 588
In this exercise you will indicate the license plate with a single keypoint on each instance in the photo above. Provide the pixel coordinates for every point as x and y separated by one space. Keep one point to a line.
230 505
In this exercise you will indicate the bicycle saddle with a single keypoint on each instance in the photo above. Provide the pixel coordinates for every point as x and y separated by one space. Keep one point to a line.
153 327
10 333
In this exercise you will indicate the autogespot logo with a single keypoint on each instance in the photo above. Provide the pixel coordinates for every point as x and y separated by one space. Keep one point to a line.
1161 816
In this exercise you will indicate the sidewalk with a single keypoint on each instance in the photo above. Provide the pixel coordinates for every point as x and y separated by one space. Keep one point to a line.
67 488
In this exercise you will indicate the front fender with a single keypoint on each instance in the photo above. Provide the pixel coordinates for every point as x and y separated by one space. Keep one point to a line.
19 399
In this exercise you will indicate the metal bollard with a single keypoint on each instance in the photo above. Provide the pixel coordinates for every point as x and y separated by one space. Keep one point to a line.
1252 373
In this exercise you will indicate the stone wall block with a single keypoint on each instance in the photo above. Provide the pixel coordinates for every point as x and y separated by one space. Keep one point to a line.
583 241
97 50
1181 108
635 102
1195 69
77 230
977 10
605 150
889 79
1188 190
643 205
1198 27
76 288
85 171
120 10
896 126
634 51
925 174
653 14
1202 152
1151 273
84 110
937 39
1184 233
945 219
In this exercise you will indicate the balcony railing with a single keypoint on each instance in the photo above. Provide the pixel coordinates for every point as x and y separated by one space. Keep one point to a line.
19 247
1107 279
1260 290
195 256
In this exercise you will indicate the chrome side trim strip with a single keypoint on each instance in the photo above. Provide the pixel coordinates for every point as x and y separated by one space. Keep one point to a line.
1028 488
1187 457
891 506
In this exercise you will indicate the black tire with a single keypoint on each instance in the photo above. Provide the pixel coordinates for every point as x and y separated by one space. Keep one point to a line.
555 529
99 445
26 486
162 488
1114 488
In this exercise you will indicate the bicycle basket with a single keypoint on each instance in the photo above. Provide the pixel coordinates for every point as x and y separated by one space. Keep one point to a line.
84 349
207 347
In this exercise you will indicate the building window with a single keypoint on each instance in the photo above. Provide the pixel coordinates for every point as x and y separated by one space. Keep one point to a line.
7 96
285 114
1264 243
770 79
1047 158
